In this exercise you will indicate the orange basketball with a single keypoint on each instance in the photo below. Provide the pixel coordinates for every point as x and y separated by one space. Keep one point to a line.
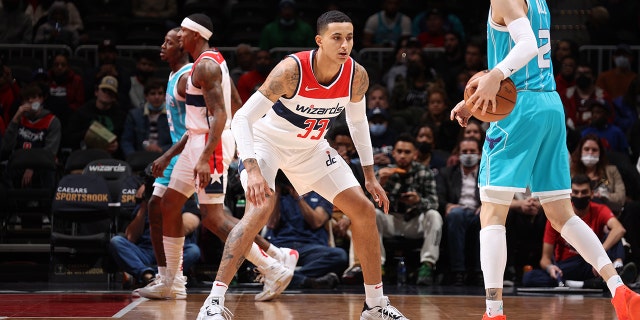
505 100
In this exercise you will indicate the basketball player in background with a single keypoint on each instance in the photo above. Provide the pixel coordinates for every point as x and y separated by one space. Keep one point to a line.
300 98
206 149
528 148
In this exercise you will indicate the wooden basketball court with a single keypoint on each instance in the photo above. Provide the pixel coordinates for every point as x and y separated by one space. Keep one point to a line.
314 306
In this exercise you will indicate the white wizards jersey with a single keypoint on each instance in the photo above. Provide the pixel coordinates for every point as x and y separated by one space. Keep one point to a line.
198 118
302 121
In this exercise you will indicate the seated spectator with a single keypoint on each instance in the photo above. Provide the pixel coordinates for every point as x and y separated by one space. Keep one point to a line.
163 9
413 202
250 81
57 30
424 20
382 137
108 65
298 222
590 158
562 49
459 204
437 113
386 28
425 137
398 71
287 30
106 111
566 76
15 25
244 61
448 64
147 128
625 107
66 89
474 130
146 63
32 127
133 251
560 261
432 34
616 80
525 228
611 135
574 98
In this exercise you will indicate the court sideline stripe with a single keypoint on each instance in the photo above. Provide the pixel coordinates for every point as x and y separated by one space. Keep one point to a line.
129 307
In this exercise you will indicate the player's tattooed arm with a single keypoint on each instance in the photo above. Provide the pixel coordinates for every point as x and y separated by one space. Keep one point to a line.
282 81
360 83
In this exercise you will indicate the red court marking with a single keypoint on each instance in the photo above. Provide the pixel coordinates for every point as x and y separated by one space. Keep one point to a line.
62 305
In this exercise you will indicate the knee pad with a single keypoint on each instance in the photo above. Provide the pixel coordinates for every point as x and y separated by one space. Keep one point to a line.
503 197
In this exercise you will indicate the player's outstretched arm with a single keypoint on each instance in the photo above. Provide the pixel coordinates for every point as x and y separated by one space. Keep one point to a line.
356 116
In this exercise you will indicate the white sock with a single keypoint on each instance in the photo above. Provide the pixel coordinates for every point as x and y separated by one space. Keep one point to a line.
494 308
218 289
613 283
275 252
173 254
162 271
258 257
582 238
373 294
493 255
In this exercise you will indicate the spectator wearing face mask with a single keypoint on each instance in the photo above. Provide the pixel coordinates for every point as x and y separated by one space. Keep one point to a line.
287 30
560 261
574 98
382 137
611 135
32 127
590 158
616 80
147 128
459 203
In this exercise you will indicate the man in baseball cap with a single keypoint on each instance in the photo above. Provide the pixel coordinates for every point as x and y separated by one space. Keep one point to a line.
109 83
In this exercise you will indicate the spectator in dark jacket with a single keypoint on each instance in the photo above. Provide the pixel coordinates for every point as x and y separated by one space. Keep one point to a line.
147 128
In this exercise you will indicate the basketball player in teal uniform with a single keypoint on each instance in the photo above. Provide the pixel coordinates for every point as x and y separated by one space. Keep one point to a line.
178 61
528 148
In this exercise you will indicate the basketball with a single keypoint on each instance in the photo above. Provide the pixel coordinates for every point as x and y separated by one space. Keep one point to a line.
505 100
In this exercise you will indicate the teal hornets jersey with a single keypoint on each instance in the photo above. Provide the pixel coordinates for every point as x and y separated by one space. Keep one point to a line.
537 75
176 105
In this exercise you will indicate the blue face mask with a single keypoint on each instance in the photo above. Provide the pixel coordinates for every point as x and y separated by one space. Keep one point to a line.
377 129
155 109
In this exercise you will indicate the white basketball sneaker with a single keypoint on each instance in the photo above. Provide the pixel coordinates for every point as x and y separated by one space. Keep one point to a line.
386 312
289 258
160 290
214 309
276 278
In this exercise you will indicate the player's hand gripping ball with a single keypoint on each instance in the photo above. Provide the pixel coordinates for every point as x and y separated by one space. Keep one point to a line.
505 100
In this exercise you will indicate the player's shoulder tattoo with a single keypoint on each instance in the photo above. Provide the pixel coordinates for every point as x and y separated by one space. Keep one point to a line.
283 80
360 80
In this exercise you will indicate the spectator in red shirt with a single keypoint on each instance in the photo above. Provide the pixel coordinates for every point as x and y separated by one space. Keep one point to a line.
560 260
66 89
250 81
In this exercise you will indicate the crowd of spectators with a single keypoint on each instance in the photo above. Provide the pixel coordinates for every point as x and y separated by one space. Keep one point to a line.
408 105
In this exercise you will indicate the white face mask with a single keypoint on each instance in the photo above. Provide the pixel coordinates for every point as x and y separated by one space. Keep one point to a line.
469 160
589 160
35 106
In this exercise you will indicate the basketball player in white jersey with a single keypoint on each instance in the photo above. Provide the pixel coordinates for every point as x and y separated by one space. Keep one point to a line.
517 154
299 100
205 153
